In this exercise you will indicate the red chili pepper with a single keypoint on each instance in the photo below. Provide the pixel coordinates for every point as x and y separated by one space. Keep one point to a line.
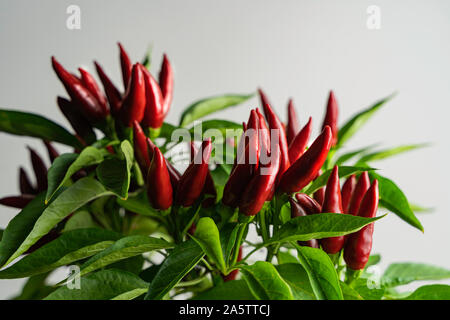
233 274
26 187
154 113
78 122
174 174
89 82
305 169
299 143
319 195
358 245
166 83
331 116
260 186
308 204
347 191
133 106
90 107
333 203
52 152
19 202
293 126
40 170
192 181
140 148
159 187
360 190
126 66
112 93
264 133
209 189
298 211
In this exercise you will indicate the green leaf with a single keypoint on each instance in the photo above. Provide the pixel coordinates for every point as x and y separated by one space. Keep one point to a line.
166 131
114 173
208 238
123 249
180 261
71 199
265 282
200 130
33 125
355 123
321 272
297 278
81 219
68 164
230 290
393 199
228 237
35 288
207 106
398 274
344 171
351 154
373 260
318 226
285 258
368 288
139 204
69 247
103 285
386 153
349 293
431 292
19 227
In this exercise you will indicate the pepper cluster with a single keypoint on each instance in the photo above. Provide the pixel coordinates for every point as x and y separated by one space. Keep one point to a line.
144 99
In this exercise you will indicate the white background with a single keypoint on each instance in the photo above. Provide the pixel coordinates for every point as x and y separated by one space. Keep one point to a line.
298 49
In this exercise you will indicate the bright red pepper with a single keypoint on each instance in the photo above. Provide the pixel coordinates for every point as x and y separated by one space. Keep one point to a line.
209 189
260 186
166 83
332 204
298 211
140 148
90 107
159 187
126 66
264 133
192 181
112 93
306 168
293 126
319 195
299 143
89 82
331 117
133 106
360 190
154 112
78 122
40 170
347 191
359 244
26 187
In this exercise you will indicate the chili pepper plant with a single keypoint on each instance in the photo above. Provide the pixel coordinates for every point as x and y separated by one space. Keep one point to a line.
203 209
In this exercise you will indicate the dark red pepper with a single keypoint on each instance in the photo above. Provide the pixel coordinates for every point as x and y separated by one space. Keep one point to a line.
347 191
332 204
40 170
133 106
331 117
112 93
89 82
261 185
90 107
166 83
52 152
360 190
141 153
26 187
308 204
192 181
159 187
264 133
319 195
359 244
306 168
126 66
209 189
293 126
299 143
19 202
298 211
154 113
